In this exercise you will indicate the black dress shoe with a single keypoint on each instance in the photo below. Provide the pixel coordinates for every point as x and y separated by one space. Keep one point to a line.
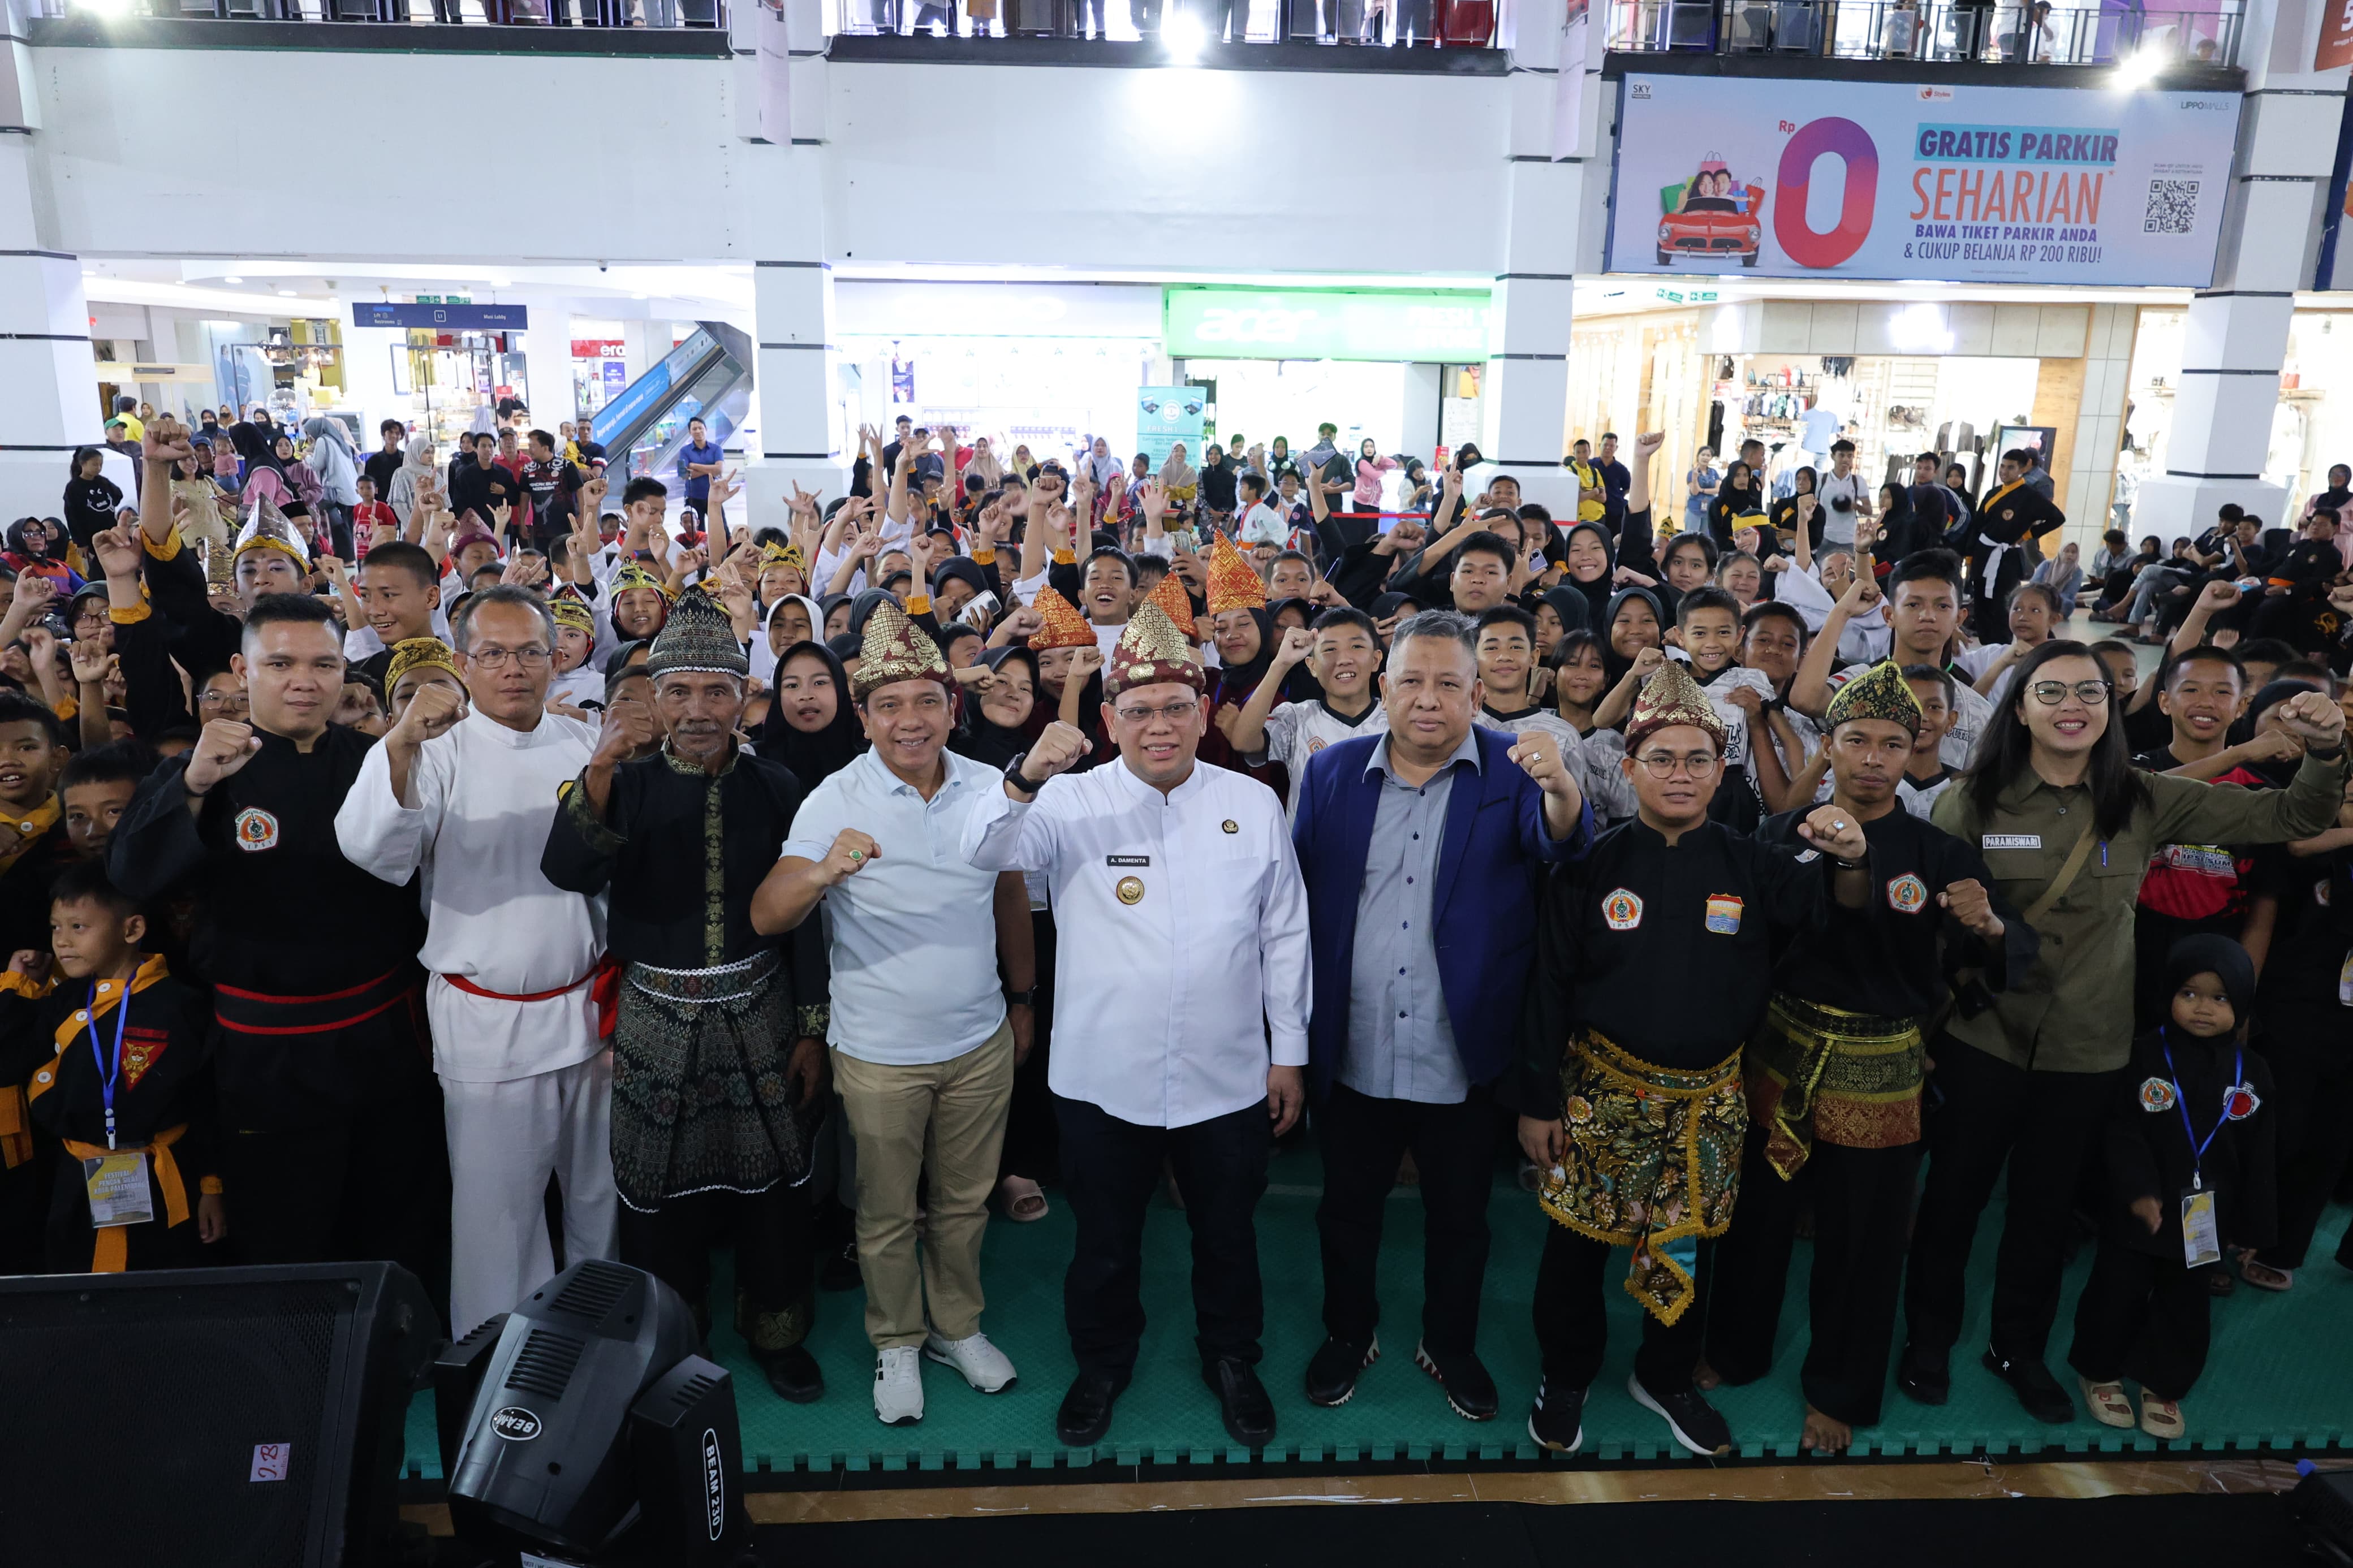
1242 1400
1465 1378
1332 1370
793 1373
1085 1415
2035 1387
1924 1375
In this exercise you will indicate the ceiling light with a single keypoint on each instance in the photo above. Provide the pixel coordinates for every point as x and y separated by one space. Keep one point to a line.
232 279
2139 70
289 293
502 282
1182 35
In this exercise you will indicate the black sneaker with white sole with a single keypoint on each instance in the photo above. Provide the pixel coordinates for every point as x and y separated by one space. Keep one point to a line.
1470 1390
1693 1420
1333 1371
1557 1420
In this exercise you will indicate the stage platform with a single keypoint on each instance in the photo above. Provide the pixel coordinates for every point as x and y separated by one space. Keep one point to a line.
2281 1377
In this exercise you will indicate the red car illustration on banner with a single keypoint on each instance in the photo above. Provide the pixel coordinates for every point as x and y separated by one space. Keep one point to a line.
1712 216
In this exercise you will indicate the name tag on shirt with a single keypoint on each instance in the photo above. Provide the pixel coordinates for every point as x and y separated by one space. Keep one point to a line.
2200 1239
2012 841
1127 859
118 1189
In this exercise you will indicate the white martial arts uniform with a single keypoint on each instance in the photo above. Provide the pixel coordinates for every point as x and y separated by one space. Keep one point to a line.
526 1086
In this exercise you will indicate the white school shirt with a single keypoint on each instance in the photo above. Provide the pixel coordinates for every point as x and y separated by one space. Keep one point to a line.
365 642
1297 731
485 799
912 936
1163 1006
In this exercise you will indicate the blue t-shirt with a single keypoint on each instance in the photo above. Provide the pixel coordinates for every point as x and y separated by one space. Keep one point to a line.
698 486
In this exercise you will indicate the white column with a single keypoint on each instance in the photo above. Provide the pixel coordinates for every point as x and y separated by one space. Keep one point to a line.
2236 335
1526 394
48 390
792 311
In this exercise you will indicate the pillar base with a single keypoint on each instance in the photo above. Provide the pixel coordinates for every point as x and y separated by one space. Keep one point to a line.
2171 505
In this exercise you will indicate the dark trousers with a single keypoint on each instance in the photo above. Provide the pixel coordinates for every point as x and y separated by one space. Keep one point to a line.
72 1240
2311 1060
1572 1329
2142 1317
1863 1202
771 1232
1111 1169
2043 1126
1454 1148
1032 1145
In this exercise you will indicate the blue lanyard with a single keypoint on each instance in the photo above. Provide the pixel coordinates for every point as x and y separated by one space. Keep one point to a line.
109 1072
2181 1103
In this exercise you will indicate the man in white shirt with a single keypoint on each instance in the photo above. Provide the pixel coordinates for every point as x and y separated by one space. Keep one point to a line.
923 1043
1182 954
526 1076
1842 485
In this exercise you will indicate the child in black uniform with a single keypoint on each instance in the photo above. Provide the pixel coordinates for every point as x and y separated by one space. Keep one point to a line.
114 1059
2190 1165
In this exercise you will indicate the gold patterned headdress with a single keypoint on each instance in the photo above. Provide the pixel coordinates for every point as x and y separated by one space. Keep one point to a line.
775 555
1673 696
895 649
1064 628
1232 585
1879 692
629 574
417 653
1152 652
570 610
1173 602
269 528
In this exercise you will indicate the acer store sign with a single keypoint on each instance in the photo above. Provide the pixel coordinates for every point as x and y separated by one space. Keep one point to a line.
1884 180
1327 323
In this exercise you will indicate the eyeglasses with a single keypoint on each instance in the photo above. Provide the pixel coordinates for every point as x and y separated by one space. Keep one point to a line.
1176 713
235 700
2050 693
498 658
1663 765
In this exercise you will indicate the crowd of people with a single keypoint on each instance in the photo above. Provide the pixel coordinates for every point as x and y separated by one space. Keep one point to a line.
500 879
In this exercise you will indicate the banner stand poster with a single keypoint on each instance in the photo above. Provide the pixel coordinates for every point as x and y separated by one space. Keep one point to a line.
1908 182
1165 415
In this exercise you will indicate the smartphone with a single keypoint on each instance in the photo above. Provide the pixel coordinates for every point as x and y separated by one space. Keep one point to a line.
979 609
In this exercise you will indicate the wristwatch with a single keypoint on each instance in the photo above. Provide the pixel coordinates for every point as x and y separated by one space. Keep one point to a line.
1020 780
1022 998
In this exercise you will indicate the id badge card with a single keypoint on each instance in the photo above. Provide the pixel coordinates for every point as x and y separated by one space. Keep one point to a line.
118 1189
2201 1244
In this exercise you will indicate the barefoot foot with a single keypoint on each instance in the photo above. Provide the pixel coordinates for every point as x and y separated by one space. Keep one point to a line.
1824 1434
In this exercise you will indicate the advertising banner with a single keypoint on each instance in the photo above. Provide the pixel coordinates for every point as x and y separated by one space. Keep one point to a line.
1968 184
2335 37
444 318
1165 415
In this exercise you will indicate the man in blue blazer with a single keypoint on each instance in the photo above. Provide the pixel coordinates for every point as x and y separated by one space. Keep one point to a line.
1422 850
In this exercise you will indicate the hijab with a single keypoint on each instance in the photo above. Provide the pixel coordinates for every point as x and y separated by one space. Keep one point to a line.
1235 683
980 737
1595 594
861 609
1614 664
2221 957
1573 606
764 663
813 758
827 605
319 428
19 545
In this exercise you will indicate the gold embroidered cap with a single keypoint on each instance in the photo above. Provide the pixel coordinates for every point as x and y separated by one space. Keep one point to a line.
1064 628
1672 697
1232 585
417 653
629 574
1174 602
775 555
570 610
1152 652
1879 692
895 649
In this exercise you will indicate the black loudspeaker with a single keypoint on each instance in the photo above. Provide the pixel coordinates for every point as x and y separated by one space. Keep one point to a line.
246 1417
2322 1502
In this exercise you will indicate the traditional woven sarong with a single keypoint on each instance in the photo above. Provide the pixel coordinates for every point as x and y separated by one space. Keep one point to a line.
1653 1162
1848 1079
700 1101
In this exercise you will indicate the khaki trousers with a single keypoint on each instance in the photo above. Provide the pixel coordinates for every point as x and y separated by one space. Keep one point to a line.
949 1117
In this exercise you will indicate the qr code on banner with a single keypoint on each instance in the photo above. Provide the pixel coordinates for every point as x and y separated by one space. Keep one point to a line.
2172 207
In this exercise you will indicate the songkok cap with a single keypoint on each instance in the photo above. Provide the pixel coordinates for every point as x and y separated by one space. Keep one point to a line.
417 653
1152 652
1064 628
895 649
1672 697
699 636
1879 692
1232 585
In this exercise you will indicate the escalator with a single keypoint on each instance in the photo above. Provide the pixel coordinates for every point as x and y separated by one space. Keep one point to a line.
707 376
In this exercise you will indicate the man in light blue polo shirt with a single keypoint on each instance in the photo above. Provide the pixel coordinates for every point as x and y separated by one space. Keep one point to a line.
924 1040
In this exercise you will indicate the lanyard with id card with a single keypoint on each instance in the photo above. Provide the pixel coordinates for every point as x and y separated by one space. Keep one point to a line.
116 1179
2202 1241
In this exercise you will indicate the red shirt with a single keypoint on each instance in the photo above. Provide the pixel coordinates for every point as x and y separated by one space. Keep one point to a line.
366 517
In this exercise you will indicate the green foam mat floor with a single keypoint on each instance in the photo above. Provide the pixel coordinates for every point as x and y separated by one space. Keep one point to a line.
2281 1373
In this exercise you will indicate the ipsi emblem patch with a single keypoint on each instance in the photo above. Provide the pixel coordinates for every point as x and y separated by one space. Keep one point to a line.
1907 895
256 829
1623 909
2156 1094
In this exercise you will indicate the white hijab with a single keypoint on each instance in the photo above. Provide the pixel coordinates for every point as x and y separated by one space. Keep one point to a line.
763 659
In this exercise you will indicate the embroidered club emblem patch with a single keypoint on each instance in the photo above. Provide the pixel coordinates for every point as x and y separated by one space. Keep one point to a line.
1314 743
140 1049
256 829
1723 914
2240 1101
1623 909
1907 895
2156 1094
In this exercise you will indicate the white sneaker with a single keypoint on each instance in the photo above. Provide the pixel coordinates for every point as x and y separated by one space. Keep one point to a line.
898 1386
983 1364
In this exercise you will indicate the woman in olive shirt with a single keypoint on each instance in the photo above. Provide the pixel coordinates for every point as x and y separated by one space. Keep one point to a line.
2067 826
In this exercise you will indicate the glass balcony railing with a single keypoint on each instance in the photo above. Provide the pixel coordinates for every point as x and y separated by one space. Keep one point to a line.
1179 24
2041 32
660 14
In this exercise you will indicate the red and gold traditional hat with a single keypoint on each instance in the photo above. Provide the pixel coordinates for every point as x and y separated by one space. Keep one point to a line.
571 610
895 649
1232 585
1152 652
1174 602
1064 628
1673 696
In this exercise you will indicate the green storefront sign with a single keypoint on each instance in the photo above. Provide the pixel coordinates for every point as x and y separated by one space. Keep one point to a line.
1327 323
